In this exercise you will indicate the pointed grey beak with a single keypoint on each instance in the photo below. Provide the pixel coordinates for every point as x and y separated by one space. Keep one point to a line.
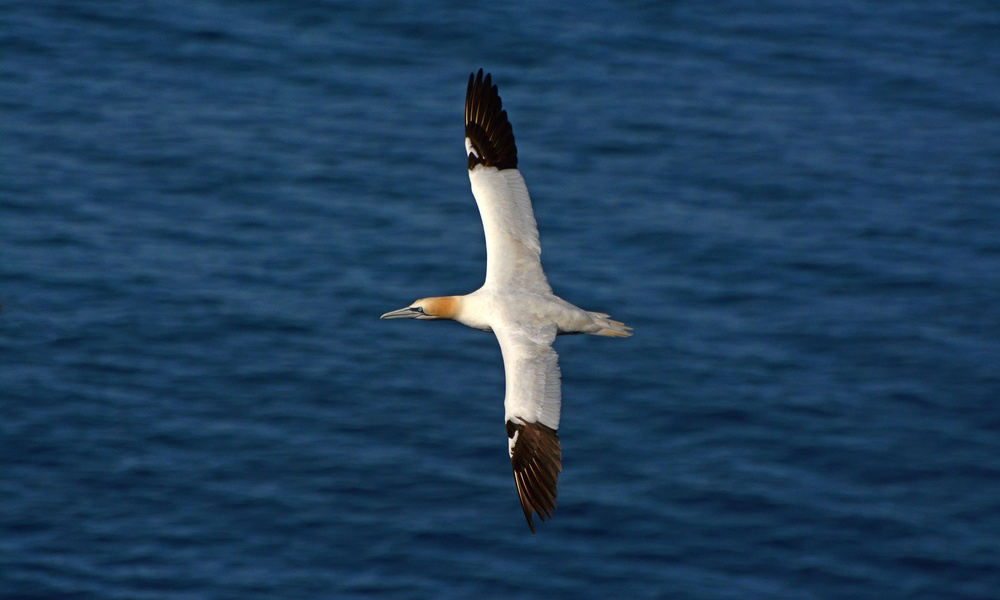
403 313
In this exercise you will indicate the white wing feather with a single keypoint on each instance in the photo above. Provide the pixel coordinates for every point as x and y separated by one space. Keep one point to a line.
513 253
531 366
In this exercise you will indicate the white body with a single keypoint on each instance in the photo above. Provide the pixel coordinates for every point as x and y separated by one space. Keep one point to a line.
516 301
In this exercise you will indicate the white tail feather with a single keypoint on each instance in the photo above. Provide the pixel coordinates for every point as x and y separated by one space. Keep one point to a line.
610 327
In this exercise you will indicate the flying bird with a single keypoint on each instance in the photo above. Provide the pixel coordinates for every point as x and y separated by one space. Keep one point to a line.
516 302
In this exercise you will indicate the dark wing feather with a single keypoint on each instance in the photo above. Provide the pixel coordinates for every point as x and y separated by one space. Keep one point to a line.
487 127
537 460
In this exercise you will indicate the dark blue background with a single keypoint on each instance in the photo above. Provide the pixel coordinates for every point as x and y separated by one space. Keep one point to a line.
206 205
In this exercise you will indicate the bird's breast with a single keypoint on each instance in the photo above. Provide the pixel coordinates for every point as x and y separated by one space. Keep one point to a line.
489 310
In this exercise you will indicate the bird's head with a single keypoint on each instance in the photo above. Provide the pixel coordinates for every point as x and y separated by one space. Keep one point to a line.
444 307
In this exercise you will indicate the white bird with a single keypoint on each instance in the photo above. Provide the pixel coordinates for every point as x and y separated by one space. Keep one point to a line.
516 302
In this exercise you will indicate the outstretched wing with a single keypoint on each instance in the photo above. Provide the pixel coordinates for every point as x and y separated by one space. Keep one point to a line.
531 408
512 248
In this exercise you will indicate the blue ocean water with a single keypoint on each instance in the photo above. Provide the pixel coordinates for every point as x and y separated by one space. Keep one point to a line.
204 208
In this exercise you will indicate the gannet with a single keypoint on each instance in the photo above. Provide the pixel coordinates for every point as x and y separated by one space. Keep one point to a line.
515 303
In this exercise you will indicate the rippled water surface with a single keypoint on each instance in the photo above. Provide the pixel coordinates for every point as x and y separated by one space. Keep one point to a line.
204 207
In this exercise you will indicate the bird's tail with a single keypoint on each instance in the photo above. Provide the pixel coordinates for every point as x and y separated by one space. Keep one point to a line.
610 327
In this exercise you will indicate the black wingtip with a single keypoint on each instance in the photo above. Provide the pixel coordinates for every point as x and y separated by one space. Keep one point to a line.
537 460
486 125
531 523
